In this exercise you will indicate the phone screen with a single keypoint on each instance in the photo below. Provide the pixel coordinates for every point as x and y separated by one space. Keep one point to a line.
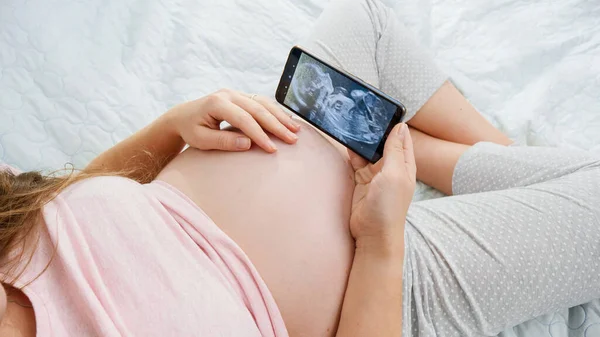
342 107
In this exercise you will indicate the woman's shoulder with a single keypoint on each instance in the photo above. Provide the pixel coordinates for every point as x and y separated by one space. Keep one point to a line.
102 204
102 194
100 187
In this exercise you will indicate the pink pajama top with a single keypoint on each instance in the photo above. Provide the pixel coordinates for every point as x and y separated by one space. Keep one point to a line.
142 260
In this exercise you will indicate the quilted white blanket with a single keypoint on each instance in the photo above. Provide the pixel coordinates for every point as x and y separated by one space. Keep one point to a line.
77 76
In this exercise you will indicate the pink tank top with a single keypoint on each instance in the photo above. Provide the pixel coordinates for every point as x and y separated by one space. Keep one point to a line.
142 260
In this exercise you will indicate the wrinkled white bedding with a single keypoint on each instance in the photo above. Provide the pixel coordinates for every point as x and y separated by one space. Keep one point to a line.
75 77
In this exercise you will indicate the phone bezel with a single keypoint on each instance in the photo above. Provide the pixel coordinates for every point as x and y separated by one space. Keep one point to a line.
286 79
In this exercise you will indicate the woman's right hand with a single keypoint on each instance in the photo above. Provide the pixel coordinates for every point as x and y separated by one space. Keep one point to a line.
198 122
383 193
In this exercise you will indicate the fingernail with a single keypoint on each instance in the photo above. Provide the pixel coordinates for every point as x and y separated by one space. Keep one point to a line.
242 143
272 145
402 131
292 135
294 123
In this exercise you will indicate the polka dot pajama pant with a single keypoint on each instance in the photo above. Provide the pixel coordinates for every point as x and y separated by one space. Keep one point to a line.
521 235
519 238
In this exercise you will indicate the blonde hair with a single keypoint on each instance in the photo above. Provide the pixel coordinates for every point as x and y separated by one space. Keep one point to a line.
22 197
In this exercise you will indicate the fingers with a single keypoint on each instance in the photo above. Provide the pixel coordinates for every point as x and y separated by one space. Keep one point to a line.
222 140
356 161
278 113
409 154
241 119
363 170
398 151
265 118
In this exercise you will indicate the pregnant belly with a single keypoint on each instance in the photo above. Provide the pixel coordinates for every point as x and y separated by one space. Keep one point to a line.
289 212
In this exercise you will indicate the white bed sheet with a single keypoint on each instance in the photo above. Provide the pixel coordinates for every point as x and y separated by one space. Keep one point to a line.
77 76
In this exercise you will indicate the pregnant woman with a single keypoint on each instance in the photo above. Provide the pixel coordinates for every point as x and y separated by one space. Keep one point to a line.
294 236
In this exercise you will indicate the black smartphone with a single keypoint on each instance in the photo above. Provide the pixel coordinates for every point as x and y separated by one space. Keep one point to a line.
341 105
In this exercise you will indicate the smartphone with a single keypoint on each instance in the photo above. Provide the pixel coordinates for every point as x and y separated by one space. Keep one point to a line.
341 105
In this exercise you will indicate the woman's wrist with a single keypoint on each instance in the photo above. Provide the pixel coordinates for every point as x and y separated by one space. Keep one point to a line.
383 257
387 241
385 246
169 122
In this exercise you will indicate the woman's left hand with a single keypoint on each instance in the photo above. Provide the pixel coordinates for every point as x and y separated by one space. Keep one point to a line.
198 122
383 193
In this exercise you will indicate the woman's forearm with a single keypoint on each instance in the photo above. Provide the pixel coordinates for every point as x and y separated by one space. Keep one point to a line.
142 155
373 301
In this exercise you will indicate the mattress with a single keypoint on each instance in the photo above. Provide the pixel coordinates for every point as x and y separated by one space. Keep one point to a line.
78 76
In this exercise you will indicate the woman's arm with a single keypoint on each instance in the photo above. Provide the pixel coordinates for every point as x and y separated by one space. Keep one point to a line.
197 123
142 155
373 300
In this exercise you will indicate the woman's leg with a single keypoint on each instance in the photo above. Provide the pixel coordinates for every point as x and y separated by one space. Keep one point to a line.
436 159
520 238
448 115
365 38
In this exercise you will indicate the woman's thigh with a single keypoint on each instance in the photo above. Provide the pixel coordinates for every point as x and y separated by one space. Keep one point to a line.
289 212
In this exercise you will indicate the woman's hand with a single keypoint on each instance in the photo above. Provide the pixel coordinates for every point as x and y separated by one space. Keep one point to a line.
383 193
198 122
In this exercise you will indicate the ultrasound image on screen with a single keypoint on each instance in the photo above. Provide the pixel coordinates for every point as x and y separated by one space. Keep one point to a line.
342 107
